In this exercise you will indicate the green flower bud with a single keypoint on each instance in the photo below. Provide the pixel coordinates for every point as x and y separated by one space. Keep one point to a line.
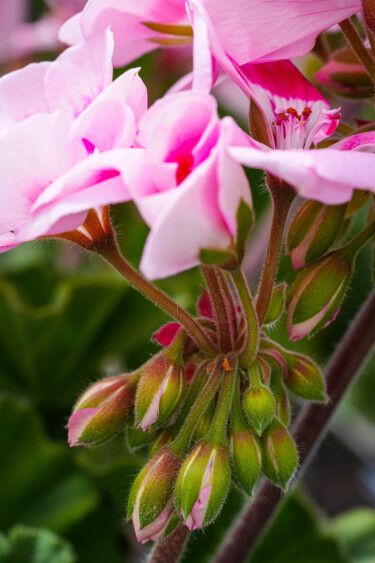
258 403
278 369
159 392
164 438
315 297
202 484
304 378
313 231
103 410
279 454
136 438
150 501
276 304
246 457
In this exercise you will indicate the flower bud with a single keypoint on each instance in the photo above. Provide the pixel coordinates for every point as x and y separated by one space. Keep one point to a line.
162 439
315 297
136 438
246 457
345 75
278 369
276 304
304 378
150 501
103 410
202 484
258 403
313 231
279 454
159 392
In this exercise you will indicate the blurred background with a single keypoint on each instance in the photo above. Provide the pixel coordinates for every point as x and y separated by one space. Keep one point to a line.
67 320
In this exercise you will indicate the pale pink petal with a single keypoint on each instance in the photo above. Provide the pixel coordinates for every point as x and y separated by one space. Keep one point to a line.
126 18
266 30
325 175
70 32
94 182
153 531
77 423
33 154
80 74
198 512
7 242
359 142
22 94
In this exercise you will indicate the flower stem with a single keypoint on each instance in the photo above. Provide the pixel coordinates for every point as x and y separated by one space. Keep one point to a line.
252 337
217 433
358 47
282 197
170 549
220 308
308 431
109 250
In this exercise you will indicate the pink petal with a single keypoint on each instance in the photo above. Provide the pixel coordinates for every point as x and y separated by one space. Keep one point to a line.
198 512
22 94
77 424
266 30
325 175
80 74
165 335
7 242
41 142
95 182
204 305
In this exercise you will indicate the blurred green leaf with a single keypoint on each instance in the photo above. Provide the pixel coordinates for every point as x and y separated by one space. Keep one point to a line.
32 545
356 531
43 488
296 536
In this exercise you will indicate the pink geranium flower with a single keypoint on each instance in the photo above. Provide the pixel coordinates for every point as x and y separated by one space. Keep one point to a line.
64 118
296 118
190 188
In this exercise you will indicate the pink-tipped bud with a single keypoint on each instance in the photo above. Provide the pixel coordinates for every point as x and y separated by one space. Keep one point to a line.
345 76
150 503
304 378
202 484
103 410
159 392
279 454
315 297
313 231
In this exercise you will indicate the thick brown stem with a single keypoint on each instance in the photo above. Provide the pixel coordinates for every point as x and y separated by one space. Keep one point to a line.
282 196
308 431
170 549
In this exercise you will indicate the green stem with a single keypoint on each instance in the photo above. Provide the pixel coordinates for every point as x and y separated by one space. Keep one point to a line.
217 433
108 249
282 196
252 337
220 308
358 47
181 443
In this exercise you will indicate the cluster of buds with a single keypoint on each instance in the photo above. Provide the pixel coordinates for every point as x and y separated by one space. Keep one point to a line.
210 417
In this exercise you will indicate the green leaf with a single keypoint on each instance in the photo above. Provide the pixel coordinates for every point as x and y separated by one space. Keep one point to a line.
295 536
32 545
43 488
276 304
356 531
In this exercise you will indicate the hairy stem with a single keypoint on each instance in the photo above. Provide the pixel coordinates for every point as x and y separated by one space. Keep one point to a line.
109 250
220 308
252 328
282 197
358 47
308 431
170 549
